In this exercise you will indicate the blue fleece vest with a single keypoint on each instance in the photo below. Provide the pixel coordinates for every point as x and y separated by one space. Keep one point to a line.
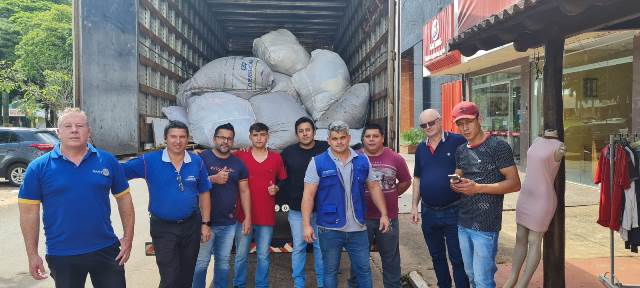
330 202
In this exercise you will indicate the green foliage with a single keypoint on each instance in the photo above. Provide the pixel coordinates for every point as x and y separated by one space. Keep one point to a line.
413 136
9 37
58 90
10 79
46 43
36 53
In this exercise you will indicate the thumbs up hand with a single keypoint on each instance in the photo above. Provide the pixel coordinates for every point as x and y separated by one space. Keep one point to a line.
272 189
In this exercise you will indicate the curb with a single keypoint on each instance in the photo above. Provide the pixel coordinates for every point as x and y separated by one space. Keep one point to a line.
416 280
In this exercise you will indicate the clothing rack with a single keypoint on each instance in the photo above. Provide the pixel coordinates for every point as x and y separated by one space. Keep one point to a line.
609 279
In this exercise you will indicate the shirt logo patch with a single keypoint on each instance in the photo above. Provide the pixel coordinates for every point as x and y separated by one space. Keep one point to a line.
190 178
105 172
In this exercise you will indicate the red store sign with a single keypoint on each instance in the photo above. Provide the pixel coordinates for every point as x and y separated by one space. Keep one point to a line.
436 35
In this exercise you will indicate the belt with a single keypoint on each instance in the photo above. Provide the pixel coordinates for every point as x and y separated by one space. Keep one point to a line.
181 221
445 207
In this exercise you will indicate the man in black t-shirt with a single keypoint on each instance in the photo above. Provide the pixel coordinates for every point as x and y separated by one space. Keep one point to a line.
229 177
488 172
296 158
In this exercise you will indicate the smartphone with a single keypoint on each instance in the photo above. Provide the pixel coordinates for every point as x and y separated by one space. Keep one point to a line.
454 178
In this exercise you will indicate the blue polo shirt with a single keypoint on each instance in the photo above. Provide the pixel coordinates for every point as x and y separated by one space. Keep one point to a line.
433 168
167 200
75 199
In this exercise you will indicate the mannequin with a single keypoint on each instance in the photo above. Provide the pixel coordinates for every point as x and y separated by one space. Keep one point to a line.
536 205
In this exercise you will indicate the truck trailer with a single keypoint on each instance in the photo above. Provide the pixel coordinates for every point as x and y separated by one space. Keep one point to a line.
130 56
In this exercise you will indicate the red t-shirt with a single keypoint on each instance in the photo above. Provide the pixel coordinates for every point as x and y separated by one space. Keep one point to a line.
391 169
607 216
261 176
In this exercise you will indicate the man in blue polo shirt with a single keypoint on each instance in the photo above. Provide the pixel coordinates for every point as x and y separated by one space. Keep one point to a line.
177 182
72 183
434 161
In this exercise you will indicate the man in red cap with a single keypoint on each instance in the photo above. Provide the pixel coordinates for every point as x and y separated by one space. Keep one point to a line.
487 171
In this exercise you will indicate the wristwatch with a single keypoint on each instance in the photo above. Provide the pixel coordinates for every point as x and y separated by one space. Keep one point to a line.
208 223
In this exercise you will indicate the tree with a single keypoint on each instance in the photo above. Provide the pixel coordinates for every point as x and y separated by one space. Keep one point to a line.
9 37
46 44
36 55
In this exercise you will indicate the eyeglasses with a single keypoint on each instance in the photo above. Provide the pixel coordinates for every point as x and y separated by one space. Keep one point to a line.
225 139
179 179
429 124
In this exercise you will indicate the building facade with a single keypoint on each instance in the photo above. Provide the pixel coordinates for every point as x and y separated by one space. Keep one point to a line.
599 94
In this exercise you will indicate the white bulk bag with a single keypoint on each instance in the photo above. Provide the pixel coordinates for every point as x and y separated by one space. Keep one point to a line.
237 75
322 82
282 51
176 113
351 108
210 110
279 111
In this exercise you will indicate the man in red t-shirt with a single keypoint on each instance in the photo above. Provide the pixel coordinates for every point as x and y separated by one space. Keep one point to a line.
265 169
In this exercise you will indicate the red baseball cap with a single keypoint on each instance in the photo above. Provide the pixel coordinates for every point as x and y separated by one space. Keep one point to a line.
464 110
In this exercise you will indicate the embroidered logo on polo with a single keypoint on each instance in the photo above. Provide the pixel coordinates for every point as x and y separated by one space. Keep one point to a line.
191 178
105 172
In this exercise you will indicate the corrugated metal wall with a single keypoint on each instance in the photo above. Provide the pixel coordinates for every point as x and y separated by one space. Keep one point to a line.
175 38
362 41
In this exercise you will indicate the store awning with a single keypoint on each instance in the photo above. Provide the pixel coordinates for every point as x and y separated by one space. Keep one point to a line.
528 22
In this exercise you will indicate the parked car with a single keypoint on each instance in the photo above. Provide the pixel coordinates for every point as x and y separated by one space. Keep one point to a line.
19 146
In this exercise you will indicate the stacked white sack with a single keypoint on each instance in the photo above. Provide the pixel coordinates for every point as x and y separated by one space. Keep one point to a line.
279 111
322 82
282 51
176 113
210 110
350 108
241 76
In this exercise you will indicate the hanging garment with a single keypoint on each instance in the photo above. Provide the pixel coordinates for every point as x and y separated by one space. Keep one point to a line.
610 207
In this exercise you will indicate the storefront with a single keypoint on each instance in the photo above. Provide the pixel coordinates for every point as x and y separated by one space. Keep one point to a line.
597 91
498 96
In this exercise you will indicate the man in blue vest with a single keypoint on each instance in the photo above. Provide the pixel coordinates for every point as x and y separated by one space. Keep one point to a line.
335 183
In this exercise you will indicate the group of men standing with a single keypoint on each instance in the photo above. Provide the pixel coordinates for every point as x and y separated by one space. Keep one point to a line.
201 205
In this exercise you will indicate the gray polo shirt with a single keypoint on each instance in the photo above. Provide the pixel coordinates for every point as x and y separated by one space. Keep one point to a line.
346 177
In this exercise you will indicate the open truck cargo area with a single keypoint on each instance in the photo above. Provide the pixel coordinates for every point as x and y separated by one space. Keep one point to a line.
131 56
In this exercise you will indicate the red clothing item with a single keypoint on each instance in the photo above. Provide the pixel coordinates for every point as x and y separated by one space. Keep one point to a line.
261 176
391 169
611 209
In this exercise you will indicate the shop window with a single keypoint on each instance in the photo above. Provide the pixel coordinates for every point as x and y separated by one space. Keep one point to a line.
597 89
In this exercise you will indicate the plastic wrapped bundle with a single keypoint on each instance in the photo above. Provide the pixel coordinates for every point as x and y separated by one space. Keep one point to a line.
279 111
241 76
282 51
210 110
322 82
350 108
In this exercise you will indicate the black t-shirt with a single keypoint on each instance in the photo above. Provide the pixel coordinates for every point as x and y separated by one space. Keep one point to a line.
482 164
296 161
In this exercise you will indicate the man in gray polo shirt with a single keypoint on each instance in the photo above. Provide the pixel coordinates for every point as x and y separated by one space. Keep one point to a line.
335 184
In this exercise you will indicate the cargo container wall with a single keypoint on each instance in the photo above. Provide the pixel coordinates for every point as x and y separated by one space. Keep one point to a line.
131 55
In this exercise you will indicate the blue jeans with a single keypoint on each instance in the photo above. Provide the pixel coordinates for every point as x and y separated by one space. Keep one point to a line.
220 247
357 246
479 254
389 249
299 254
440 230
243 245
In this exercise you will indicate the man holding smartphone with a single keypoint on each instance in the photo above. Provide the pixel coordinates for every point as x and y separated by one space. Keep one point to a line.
487 171
434 162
